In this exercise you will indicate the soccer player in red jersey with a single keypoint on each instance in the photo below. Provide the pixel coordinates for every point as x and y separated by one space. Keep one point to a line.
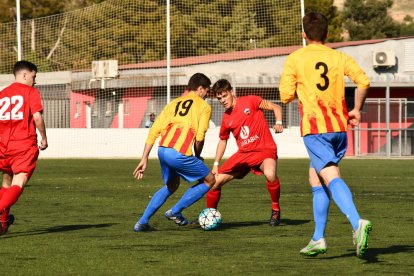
20 115
257 151
315 74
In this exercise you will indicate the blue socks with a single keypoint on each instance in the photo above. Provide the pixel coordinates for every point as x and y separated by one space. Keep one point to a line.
193 194
156 202
343 199
321 200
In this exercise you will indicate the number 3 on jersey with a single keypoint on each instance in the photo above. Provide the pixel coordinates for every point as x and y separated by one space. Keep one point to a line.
325 84
182 108
16 103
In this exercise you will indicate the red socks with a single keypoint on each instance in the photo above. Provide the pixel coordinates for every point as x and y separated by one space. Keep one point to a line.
274 191
2 191
213 198
10 196
5 213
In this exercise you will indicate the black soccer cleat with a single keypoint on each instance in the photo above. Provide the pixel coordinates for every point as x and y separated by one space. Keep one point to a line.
275 218
4 225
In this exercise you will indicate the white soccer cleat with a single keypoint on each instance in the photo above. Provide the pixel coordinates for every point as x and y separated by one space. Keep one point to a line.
360 237
314 248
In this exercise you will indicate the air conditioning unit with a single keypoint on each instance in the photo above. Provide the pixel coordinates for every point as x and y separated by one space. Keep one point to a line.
383 58
104 69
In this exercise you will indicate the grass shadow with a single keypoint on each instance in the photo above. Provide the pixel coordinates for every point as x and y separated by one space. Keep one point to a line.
372 254
57 229
283 222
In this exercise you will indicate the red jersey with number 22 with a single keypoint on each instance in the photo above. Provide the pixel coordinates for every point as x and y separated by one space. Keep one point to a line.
18 103
248 124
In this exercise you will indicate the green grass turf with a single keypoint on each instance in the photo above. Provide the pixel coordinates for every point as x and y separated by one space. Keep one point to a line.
76 218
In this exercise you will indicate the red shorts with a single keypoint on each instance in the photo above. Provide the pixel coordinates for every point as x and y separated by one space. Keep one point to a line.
15 161
244 162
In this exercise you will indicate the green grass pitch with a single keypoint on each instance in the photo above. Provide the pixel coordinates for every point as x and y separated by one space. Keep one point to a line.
76 218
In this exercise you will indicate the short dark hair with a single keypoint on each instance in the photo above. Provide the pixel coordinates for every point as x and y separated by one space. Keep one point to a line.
24 65
315 26
197 80
220 86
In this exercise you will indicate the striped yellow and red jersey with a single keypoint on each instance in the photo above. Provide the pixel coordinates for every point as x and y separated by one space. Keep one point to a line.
183 121
315 74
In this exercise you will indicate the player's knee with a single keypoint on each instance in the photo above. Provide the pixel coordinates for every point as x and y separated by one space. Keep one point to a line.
270 175
314 181
210 180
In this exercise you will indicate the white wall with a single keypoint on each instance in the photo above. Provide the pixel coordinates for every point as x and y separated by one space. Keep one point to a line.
129 143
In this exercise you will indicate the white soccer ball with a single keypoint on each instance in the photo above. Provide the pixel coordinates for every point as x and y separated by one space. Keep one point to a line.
209 219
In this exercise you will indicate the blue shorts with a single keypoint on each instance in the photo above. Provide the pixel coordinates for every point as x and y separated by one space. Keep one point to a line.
175 164
326 148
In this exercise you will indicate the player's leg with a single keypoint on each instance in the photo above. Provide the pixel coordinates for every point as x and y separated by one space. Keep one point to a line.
159 198
326 151
321 203
22 165
236 167
5 218
6 183
332 148
191 169
321 200
213 196
10 197
269 169
172 182
342 196
194 193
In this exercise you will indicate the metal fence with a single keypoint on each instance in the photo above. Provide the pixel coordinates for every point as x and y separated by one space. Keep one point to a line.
378 135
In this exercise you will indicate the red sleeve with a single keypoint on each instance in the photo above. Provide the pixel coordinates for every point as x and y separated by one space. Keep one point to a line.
35 101
224 130
255 101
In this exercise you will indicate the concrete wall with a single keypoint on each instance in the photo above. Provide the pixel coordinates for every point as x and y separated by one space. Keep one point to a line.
129 143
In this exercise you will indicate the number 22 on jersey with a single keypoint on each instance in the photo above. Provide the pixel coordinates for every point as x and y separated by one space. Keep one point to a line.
16 103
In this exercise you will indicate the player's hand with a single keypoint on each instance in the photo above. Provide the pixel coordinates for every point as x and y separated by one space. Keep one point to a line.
139 170
214 170
43 144
354 117
278 128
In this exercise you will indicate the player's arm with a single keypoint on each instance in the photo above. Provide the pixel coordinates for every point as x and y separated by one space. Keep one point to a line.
277 110
354 116
221 148
287 87
358 76
159 125
41 127
154 132
142 165
201 132
198 148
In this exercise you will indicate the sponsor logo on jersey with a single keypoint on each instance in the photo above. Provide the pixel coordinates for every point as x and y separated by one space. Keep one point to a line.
244 134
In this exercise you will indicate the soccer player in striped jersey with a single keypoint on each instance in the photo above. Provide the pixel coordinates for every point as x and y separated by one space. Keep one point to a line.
315 74
182 125
257 151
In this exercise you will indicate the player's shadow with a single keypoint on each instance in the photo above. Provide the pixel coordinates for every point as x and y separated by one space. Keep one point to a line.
372 254
57 229
283 222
